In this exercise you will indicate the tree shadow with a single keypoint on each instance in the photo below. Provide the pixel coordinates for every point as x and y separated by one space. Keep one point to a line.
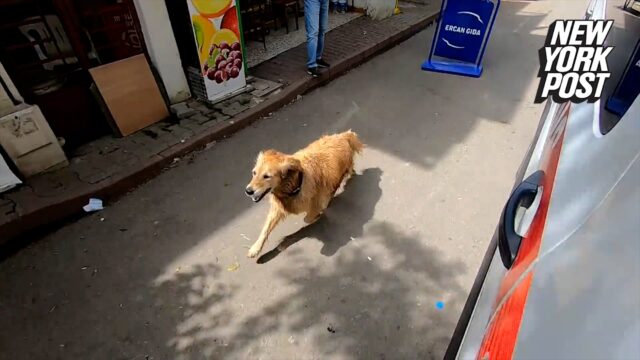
195 294
343 220
361 308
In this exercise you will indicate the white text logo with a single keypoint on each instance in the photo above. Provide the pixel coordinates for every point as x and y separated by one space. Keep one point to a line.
573 62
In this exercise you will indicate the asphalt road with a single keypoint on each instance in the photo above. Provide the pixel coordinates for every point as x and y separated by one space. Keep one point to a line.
162 273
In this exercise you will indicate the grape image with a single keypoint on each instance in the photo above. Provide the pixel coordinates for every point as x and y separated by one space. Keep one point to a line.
218 76
211 74
218 60
225 62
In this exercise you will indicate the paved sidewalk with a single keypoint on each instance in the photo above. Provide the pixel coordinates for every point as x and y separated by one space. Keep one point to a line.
109 167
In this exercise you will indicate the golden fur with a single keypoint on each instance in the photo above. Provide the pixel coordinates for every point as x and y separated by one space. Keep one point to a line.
304 182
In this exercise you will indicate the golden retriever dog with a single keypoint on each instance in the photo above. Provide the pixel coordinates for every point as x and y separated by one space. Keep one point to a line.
304 182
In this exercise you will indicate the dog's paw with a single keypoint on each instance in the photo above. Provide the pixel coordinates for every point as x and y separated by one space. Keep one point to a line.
310 220
253 252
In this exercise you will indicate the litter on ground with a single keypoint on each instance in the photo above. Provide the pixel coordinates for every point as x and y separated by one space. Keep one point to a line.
93 205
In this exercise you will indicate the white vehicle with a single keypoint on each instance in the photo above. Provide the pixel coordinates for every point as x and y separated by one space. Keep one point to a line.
561 277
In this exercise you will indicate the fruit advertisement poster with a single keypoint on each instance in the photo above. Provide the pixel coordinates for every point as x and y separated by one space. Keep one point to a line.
216 30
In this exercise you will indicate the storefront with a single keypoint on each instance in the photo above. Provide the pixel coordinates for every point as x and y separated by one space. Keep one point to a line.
254 31
85 69
279 38
48 47
79 70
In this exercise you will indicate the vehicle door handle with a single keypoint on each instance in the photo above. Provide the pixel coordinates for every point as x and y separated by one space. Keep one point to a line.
523 195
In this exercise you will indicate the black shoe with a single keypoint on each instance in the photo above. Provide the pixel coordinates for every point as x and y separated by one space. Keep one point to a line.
313 71
323 64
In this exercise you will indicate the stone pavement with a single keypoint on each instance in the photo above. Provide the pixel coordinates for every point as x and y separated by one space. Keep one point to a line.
109 167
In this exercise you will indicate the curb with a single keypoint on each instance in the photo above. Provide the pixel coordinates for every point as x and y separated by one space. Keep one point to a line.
48 216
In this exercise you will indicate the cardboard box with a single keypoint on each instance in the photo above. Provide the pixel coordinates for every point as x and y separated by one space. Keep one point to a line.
29 141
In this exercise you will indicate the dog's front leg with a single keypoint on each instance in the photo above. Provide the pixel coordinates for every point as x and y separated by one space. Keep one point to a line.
274 217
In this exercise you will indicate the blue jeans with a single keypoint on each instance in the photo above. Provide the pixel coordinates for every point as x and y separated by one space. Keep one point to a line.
316 17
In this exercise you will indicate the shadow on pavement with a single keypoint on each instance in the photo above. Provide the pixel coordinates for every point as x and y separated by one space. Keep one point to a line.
342 310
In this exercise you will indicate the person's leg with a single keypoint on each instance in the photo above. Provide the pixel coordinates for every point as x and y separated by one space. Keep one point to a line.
324 22
311 21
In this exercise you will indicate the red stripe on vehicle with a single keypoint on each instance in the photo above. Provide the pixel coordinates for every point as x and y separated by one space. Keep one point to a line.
500 340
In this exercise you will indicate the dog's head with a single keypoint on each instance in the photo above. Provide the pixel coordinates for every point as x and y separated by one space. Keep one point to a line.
273 171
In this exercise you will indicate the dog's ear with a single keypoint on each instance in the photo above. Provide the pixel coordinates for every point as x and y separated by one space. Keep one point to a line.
290 167
290 173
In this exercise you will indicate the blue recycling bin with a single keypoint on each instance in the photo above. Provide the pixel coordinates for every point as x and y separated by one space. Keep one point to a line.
628 87
462 36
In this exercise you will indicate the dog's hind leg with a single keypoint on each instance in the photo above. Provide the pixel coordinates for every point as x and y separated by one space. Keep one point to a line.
348 174
275 216
313 215
345 179
320 204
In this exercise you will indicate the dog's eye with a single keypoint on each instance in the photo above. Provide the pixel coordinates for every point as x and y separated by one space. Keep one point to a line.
253 173
266 176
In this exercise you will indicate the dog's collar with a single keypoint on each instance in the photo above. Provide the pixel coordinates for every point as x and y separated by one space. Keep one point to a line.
296 191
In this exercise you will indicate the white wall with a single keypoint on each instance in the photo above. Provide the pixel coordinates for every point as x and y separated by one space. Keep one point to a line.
6 105
162 47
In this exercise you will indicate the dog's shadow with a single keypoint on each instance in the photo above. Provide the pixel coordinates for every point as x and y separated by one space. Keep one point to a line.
343 220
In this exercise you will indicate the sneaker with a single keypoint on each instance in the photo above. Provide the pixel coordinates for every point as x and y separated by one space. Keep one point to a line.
342 8
323 64
313 71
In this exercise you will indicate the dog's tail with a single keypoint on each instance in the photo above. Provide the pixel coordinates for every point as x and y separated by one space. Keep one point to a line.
354 142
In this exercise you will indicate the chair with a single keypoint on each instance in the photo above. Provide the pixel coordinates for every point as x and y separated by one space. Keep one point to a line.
253 13
284 7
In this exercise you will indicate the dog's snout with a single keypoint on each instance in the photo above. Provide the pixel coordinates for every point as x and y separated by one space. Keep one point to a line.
249 191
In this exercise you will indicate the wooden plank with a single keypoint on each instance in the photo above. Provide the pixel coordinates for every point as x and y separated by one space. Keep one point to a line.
131 93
